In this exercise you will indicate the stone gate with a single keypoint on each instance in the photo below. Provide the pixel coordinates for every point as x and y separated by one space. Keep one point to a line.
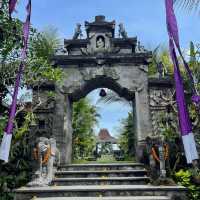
101 60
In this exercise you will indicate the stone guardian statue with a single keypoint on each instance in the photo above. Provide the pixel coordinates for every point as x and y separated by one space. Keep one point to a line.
122 31
78 32
47 156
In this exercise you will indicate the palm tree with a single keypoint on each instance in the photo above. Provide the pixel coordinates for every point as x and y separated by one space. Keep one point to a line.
112 97
85 118
188 4
42 47
44 44
160 55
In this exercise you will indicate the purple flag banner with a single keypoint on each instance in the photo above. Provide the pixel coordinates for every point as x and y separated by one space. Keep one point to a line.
12 5
26 27
6 141
196 99
172 28
184 120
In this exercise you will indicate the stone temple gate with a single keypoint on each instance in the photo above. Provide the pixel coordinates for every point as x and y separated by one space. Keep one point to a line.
101 60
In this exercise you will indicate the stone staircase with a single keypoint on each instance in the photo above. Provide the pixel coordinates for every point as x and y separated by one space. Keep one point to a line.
127 181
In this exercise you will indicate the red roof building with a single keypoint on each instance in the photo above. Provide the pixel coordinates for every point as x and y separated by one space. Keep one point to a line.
104 136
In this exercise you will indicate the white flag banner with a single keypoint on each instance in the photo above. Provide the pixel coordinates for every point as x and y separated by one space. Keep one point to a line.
190 147
5 147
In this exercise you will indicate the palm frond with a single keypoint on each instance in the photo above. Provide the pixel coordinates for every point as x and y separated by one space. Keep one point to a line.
112 97
188 4
44 44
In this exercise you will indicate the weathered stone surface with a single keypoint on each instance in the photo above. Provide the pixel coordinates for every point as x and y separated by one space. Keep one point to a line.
102 190
101 173
96 166
127 184
45 171
108 198
101 60
101 181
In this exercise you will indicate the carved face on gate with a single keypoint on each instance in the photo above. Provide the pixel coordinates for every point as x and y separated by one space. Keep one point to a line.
100 42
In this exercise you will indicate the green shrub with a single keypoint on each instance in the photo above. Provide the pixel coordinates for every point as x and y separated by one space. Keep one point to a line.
185 178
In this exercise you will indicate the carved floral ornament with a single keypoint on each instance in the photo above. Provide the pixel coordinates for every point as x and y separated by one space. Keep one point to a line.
161 97
92 73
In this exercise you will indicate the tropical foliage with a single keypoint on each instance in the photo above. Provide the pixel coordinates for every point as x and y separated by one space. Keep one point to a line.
185 178
161 55
85 118
168 126
188 4
127 136
111 97
38 70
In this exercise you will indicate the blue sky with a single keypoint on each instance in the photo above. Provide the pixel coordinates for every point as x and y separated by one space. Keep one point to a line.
142 18
111 114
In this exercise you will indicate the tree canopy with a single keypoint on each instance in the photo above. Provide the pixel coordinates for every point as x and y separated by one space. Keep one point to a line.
85 118
38 70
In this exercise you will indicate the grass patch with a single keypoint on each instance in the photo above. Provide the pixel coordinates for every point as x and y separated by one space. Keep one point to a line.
103 160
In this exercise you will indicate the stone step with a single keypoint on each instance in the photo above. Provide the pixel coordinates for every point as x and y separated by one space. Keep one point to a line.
108 198
96 166
26 193
101 173
101 181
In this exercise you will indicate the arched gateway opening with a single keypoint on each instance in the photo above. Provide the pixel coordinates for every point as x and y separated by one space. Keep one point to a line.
98 122
102 60
91 86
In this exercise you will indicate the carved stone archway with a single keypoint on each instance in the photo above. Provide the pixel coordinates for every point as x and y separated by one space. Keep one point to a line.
102 60
118 64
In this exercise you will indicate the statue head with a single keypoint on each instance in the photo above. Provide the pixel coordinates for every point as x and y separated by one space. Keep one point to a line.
100 42
43 144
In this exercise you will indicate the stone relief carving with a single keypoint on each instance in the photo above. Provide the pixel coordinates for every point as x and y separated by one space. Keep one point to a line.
91 73
99 44
161 97
47 156
61 50
44 101
140 88
162 106
84 51
144 68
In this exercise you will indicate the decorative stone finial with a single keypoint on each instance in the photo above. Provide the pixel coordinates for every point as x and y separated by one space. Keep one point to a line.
100 18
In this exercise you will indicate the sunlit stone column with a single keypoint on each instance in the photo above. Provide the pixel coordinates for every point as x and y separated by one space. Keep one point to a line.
62 127
143 123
